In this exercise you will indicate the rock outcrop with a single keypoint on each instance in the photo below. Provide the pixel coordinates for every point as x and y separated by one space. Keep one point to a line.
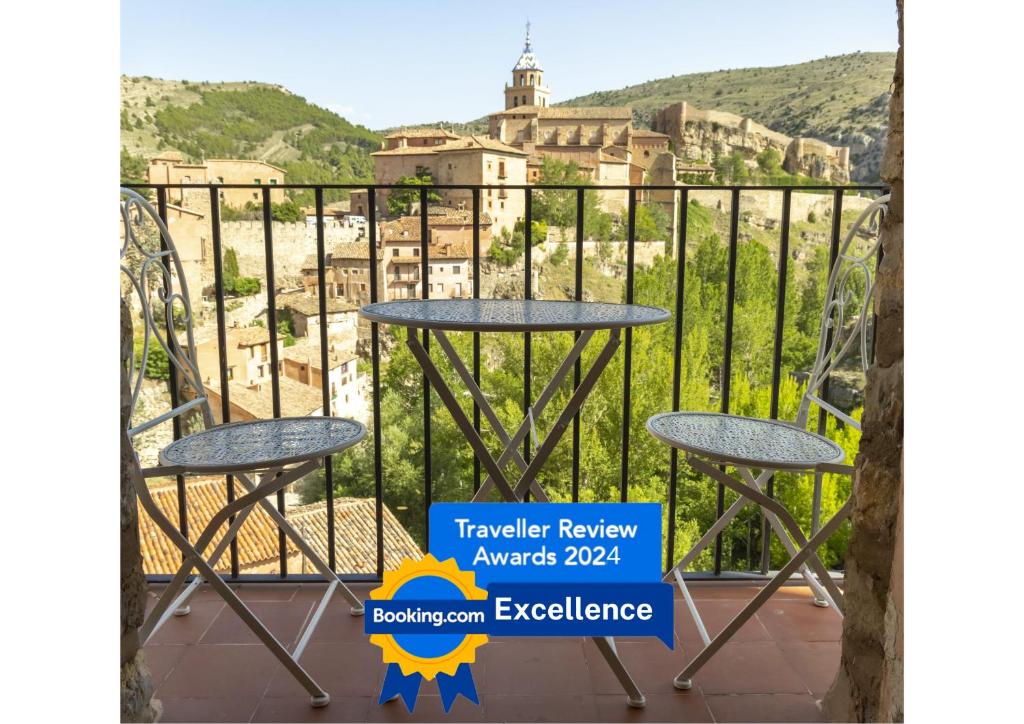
701 135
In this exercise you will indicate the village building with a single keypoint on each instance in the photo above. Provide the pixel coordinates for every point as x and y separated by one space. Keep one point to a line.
302 363
304 307
171 168
469 160
601 141
418 138
355 532
247 352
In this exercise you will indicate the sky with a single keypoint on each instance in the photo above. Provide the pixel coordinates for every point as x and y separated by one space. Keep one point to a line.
383 63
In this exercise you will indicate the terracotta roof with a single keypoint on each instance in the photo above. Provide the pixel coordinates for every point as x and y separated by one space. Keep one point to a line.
355 532
608 158
407 151
245 160
297 399
309 305
464 143
571 112
306 352
248 336
479 143
644 133
421 133
354 250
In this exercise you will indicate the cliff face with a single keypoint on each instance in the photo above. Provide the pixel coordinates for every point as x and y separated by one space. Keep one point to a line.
701 135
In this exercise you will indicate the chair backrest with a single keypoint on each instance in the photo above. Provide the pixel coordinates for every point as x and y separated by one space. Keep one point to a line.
153 283
848 304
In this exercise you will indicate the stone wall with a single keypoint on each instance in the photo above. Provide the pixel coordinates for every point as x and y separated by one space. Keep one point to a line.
293 242
137 703
701 134
869 684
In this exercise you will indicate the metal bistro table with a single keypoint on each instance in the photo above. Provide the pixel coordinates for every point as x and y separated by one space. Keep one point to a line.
501 315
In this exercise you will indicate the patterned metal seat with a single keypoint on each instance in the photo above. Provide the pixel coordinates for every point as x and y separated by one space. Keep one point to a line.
263 456
756 449
261 444
744 440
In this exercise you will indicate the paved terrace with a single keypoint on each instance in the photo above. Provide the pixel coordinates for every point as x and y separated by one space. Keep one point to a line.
209 667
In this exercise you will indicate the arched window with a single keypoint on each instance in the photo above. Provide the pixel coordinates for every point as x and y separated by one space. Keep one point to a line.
520 79
515 101
530 78
524 100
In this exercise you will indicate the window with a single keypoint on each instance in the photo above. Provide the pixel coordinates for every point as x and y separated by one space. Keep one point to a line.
524 100
394 252
456 269
256 181
260 368
440 270
273 182
231 373
430 288
520 79
501 169
362 287
440 288
503 204
416 252
515 102
430 268
220 179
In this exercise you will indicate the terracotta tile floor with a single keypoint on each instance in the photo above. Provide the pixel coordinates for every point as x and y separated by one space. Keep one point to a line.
208 667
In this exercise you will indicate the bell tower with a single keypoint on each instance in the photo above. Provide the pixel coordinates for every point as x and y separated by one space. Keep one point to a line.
527 88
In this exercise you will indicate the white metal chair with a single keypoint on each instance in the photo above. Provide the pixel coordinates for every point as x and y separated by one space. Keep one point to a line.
712 441
279 451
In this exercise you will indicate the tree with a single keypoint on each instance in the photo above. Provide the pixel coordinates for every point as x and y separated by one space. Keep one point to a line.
400 201
770 161
508 246
289 211
559 255
133 168
235 284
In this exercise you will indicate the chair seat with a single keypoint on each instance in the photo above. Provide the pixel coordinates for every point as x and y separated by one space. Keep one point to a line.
261 444
747 441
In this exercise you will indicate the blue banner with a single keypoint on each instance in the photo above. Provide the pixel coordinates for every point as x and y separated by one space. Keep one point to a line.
535 609
550 543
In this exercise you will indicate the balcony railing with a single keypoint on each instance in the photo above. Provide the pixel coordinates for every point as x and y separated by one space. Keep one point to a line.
684 195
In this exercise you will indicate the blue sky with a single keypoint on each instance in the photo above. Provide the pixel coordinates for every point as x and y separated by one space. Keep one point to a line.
383 63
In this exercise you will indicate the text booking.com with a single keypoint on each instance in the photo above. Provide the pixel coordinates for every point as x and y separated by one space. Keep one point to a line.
504 608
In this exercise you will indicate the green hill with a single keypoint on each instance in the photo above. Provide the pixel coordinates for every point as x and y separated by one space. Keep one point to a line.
841 99
244 120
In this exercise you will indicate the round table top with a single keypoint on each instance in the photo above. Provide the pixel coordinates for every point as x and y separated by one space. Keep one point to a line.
261 444
511 315
744 441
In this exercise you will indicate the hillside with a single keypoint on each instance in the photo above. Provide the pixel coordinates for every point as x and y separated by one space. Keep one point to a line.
244 120
842 100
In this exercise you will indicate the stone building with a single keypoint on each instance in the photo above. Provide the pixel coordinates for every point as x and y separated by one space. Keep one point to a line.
700 135
247 350
601 140
301 362
171 168
304 307
418 138
470 160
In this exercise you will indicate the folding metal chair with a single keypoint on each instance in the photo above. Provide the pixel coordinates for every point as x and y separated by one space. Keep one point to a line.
278 451
713 441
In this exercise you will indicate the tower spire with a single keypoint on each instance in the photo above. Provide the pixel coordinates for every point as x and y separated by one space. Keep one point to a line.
527 48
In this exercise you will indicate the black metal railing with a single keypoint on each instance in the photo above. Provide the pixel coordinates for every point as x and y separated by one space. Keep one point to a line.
684 195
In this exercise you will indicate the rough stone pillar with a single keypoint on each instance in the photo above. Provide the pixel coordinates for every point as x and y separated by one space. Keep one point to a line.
137 702
869 684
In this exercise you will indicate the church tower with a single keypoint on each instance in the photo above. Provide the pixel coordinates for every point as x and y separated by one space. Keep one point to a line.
527 88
